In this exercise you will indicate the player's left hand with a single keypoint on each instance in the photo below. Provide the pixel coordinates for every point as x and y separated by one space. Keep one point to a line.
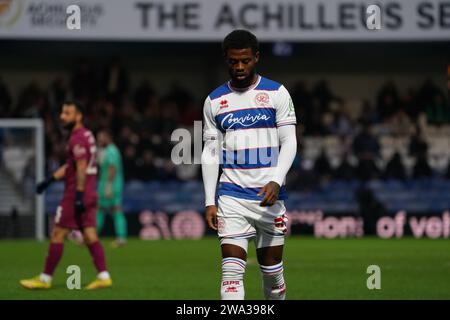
211 216
79 204
271 190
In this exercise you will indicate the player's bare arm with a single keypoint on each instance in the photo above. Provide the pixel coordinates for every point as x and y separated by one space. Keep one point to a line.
60 173
81 174
57 175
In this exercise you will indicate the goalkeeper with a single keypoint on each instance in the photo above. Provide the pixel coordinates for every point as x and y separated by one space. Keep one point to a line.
110 187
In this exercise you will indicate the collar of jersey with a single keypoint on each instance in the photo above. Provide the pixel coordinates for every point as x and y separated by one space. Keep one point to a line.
251 87
76 130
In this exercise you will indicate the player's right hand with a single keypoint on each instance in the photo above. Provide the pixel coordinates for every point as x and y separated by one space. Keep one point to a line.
211 216
43 185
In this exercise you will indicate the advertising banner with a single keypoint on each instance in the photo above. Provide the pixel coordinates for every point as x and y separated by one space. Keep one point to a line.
207 20
190 224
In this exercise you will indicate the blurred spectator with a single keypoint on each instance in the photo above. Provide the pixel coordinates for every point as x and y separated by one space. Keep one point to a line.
427 94
387 100
145 167
2 134
341 125
53 162
422 169
448 171
322 167
130 167
437 110
365 145
190 113
186 172
151 119
324 96
395 168
303 178
169 117
127 137
368 114
84 81
145 97
345 171
417 144
58 93
179 95
400 123
32 102
366 149
5 100
303 102
115 81
367 170
142 121
409 103
448 84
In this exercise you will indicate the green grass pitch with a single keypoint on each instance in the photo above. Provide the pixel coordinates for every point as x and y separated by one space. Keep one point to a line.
190 269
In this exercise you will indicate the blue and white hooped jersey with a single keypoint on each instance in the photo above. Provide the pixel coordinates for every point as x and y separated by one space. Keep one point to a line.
246 123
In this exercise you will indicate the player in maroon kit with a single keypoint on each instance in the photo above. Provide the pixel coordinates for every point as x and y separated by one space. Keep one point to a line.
78 206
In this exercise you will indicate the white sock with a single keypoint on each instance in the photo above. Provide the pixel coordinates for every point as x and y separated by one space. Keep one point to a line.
232 285
273 282
45 277
103 275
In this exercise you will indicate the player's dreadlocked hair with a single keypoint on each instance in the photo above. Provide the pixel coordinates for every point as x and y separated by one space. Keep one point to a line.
240 39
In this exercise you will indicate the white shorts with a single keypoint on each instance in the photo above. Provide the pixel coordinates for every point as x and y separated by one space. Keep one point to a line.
240 220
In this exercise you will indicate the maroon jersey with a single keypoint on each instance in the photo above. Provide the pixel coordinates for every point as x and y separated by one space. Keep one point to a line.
81 145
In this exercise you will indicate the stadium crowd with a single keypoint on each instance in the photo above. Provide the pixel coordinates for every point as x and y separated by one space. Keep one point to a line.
142 121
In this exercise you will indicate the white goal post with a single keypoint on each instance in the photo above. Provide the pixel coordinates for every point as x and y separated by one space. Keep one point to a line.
38 126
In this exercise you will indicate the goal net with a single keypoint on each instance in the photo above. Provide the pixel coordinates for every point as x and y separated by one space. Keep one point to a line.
21 166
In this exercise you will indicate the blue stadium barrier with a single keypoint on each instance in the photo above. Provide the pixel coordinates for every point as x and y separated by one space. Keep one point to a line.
425 196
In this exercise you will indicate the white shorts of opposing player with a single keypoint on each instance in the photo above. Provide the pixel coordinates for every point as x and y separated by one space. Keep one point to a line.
239 221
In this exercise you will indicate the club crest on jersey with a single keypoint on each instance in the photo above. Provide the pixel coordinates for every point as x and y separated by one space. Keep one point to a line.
79 150
262 99
223 104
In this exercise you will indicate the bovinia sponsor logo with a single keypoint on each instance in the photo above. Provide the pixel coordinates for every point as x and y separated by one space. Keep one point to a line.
184 140
246 121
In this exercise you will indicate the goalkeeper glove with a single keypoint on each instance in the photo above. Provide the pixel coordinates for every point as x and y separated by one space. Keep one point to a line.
40 187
